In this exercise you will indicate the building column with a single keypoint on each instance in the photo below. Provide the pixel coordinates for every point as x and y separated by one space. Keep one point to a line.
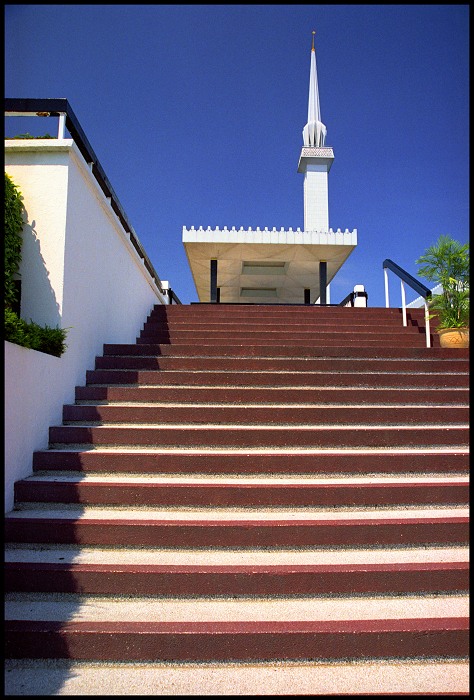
323 277
214 298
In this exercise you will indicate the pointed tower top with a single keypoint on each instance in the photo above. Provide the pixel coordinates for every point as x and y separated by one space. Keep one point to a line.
314 133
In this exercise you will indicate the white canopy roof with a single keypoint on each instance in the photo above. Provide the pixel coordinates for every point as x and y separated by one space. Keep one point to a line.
265 266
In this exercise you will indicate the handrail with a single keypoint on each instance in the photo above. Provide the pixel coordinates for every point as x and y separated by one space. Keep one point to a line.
60 107
172 296
414 284
351 297
406 277
348 298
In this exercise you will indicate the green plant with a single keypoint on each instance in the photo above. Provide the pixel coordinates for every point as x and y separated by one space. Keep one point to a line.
28 335
31 335
29 136
447 263
13 241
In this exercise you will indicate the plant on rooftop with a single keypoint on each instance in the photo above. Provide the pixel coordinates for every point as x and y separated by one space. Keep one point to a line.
28 335
29 136
447 263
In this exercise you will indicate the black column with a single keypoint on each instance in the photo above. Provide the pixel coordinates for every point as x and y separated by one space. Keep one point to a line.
307 297
323 282
214 282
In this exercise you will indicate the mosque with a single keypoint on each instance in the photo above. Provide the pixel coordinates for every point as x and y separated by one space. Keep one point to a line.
277 266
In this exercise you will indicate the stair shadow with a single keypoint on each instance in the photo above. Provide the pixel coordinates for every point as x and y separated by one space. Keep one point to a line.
36 677
38 657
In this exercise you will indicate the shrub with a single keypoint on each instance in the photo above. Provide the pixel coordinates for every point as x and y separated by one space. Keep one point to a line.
29 136
29 335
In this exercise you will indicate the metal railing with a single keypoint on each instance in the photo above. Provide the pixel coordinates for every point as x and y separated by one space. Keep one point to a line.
351 297
172 296
60 107
420 288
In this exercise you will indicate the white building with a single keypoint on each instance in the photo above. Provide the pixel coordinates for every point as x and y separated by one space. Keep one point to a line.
277 266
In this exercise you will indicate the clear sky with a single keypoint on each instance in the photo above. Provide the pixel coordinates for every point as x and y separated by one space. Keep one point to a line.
196 115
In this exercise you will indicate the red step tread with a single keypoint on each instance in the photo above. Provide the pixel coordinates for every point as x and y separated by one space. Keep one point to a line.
196 494
283 395
222 436
384 462
342 415
237 640
239 533
235 580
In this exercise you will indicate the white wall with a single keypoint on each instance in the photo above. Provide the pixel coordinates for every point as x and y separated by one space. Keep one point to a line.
79 271
316 200
35 387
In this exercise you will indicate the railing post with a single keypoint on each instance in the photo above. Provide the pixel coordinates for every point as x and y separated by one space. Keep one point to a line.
427 326
387 301
61 126
404 305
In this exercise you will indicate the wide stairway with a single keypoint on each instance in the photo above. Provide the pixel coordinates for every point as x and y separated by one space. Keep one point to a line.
250 500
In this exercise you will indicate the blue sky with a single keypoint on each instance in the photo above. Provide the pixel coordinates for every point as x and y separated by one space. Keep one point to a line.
196 115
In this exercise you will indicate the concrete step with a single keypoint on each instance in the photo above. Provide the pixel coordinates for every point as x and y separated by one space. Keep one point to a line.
261 312
290 364
206 580
306 527
354 677
303 326
38 626
421 555
221 491
304 314
206 349
349 338
201 610
349 395
427 460
237 436
349 341
278 379
250 414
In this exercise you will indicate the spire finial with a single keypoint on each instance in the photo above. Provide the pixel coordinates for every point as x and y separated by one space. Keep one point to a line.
314 133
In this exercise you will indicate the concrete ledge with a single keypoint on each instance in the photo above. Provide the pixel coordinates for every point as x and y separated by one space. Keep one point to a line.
66 677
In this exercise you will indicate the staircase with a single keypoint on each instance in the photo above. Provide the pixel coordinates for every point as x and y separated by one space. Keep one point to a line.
250 498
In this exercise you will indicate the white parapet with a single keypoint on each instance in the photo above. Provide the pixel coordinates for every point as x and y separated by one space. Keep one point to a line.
266 235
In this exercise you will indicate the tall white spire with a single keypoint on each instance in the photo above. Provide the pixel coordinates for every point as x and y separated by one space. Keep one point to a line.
314 133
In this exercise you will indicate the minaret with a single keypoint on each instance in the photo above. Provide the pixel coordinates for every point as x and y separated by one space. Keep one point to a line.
315 160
